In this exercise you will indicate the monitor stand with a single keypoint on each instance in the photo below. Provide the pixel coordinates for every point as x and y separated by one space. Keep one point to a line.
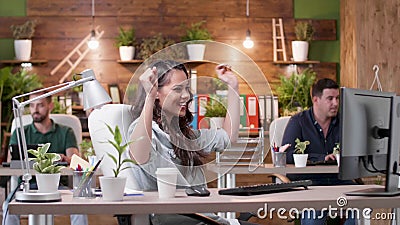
373 192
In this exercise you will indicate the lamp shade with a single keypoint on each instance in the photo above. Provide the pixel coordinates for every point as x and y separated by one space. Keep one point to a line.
94 94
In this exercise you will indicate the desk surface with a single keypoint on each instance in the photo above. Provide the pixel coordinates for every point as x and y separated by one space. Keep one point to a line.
269 168
317 197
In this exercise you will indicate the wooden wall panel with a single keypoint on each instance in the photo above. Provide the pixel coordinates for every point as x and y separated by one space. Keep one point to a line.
370 37
62 24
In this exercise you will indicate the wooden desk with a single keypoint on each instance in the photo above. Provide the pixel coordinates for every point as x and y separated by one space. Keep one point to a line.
227 173
317 197
6 171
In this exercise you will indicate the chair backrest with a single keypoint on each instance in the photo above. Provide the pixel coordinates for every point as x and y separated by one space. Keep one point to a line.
112 115
276 130
63 119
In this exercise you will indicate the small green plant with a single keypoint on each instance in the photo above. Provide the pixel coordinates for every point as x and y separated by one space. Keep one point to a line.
121 148
196 32
294 91
86 148
24 31
215 107
125 37
300 146
336 149
151 45
220 85
44 161
304 31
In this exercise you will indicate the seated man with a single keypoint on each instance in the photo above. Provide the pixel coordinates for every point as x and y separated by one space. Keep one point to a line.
44 130
320 126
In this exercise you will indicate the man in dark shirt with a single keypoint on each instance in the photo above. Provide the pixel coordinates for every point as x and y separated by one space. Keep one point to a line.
320 126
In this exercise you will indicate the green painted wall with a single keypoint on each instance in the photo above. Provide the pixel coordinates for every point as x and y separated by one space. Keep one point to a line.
324 51
10 8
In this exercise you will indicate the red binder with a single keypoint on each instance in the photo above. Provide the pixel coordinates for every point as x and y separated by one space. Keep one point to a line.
252 108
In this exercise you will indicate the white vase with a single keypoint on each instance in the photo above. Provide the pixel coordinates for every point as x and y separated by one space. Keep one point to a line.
196 51
300 51
47 183
112 188
126 53
300 160
338 159
23 49
216 122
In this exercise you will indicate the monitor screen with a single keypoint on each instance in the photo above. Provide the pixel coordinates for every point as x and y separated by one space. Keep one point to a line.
369 143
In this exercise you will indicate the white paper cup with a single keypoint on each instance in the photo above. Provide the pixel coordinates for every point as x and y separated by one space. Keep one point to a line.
166 182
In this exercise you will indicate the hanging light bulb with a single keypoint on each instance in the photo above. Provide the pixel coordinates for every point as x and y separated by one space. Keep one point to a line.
93 43
248 43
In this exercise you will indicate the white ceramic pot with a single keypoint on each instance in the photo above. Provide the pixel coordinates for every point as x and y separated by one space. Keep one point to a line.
216 122
23 49
47 183
300 51
196 51
112 188
338 159
126 53
300 160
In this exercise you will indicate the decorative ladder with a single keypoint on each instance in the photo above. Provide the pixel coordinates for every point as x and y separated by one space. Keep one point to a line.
72 62
276 37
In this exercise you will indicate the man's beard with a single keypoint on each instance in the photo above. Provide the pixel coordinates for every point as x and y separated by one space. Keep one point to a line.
38 119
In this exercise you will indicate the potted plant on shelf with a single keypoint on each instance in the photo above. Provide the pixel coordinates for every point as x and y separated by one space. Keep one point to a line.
294 92
126 41
154 44
304 34
194 33
113 187
215 111
48 175
299 155
23 39
87 151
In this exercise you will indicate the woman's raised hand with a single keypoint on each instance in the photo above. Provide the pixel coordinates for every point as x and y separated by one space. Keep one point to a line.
225 73
149 81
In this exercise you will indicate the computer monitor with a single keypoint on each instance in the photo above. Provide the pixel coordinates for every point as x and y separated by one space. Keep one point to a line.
370 136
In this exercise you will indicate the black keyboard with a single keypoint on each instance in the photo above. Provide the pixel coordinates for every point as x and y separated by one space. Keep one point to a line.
266 188
322 163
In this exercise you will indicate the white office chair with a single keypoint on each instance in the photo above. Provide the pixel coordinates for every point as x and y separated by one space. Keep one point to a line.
112 115
276 130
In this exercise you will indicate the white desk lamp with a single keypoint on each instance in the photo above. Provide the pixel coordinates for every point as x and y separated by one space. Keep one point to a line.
94 95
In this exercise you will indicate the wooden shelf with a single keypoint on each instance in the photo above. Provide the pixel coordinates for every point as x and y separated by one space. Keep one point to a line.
294 62
33 61
187 62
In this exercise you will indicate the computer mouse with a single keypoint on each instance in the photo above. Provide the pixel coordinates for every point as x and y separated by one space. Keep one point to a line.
197 191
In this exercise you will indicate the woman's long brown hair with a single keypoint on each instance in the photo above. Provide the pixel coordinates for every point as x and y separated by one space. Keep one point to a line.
184 146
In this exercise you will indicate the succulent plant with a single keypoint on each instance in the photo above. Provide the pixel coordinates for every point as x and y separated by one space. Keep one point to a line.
300 146
24 31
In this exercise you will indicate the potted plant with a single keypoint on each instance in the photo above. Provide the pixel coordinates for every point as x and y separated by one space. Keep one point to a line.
336 152
153 44
87 151
126 41
299 155
48 175
304 34
216 111
113 187
22 39
221 88
194 33
294 92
